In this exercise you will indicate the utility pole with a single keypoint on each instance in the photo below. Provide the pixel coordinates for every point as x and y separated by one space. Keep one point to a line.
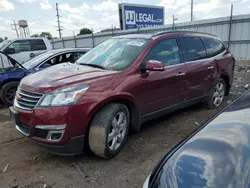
174 19
192 5
112 29
173 22
58 21
230 26
15 28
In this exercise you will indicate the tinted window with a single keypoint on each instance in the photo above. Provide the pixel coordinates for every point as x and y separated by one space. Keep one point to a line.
213 46
166 51
74 56
62 58
20 46
37 44
192 49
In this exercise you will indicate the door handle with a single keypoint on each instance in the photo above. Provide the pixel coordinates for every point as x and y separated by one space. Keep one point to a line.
211 67
32 55
181 74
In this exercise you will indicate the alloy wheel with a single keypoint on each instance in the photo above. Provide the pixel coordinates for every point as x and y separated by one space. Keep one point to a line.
117 131
10 94
219 93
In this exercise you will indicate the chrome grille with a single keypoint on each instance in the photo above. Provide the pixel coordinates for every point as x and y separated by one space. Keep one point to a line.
27 100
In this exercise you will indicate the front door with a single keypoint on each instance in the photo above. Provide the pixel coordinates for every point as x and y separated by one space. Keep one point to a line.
20 50
199 74
162 89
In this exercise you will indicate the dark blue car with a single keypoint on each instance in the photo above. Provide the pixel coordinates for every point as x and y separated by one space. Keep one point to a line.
215 155
11 72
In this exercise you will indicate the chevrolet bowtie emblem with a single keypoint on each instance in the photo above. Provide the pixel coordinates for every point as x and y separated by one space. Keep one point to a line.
18 97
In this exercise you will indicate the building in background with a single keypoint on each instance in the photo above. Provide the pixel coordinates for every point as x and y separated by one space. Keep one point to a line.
137 16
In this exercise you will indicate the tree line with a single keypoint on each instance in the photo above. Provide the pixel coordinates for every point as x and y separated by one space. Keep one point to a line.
49 36
2 39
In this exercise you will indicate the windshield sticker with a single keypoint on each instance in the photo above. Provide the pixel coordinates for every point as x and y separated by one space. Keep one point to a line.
136 43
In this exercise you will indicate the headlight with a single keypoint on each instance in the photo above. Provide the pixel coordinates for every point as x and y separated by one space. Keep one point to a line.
65 96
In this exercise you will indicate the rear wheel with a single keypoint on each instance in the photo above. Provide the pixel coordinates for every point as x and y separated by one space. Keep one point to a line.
108 130
215 99
8 92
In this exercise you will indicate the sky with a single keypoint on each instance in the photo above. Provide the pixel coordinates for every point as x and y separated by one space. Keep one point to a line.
101 14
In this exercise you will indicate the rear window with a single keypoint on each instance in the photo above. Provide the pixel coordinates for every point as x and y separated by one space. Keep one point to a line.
37 44
192 48
213 46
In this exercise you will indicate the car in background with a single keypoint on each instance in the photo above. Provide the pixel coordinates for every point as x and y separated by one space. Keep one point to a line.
215 155
117 86
23 49
11 72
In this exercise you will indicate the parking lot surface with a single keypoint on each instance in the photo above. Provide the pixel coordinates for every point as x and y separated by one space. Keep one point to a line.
25 164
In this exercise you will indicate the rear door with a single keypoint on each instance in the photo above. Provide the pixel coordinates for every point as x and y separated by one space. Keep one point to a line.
161 89
37 46
200 77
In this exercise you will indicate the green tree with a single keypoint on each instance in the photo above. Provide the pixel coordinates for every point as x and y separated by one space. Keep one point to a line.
35 35
1 39
85 31
46 34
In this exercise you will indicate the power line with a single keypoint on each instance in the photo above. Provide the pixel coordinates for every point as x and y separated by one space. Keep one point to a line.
15 28
58 22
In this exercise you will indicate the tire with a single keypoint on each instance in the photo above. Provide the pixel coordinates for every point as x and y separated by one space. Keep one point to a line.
216 92
8 92
102 129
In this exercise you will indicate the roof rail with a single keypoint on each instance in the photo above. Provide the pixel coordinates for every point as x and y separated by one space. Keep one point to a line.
180 31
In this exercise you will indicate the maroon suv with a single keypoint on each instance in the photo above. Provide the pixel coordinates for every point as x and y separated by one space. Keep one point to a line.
117 86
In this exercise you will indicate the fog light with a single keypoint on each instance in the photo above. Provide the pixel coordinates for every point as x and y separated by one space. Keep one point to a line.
55 135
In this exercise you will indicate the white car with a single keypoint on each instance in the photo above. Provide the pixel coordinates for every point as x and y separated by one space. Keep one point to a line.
23 49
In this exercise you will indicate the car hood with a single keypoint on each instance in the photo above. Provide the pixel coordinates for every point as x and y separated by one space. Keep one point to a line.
60 76
216 156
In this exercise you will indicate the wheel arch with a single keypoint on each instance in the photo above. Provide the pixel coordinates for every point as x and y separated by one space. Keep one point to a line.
2 83
227 81
128 101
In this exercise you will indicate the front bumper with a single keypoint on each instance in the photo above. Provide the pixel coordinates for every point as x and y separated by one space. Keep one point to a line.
73 147
72 140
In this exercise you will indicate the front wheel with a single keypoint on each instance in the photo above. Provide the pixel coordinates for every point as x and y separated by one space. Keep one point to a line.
108 130
8 92
217 95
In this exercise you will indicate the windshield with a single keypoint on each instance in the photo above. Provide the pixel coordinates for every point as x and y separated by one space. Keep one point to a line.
115 54
37 59
2 44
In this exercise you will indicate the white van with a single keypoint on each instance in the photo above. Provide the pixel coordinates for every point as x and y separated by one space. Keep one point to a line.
23 49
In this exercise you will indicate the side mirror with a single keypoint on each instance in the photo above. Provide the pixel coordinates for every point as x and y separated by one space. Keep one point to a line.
153 65
10 51
45 65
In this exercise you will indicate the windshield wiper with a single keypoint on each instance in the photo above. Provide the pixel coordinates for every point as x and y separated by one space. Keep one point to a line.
93 65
